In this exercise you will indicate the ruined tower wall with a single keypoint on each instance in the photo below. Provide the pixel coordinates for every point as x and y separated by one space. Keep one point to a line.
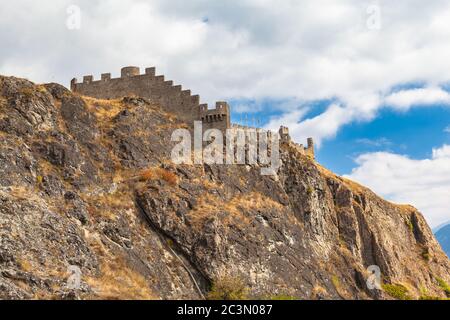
131 83
172 98
286 138
218 118
310 149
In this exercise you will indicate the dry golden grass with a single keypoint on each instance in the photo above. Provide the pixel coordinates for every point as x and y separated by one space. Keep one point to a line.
146 175
3 101
23 193
169 127
228 288
104 110
168 176
318 291
117 200
46 167
24 264
119 282
211 205
356 188
205 208
27 91
41 88
116 279
339 288
158 174
107 205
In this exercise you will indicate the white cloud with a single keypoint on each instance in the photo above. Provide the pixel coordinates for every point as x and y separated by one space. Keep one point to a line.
324 125
252 49
447 129
423 183
406 99
312 49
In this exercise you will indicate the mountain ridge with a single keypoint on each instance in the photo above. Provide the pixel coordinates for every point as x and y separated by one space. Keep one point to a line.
443 237
436 229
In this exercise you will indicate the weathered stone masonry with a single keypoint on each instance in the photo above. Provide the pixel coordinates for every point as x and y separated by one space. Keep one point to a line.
286 138
148 85
171 97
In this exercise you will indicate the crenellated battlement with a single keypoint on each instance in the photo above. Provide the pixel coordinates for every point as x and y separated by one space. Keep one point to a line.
218 118
156 88
286 138
173 98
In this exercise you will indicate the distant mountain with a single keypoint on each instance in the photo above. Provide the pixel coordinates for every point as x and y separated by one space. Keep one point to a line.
439 227
443 236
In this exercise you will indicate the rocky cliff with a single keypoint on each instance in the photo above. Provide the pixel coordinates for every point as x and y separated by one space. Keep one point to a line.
88 184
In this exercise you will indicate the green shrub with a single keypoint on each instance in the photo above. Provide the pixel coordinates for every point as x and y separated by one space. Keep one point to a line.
410 225
426 254
336 282
444 286
397 291
227 288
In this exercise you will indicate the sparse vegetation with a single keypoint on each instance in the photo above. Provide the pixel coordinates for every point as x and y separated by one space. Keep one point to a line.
397 291
410 225
27 92
159 174
146 175
236 209
25 265
41 88
444 286
104 110
338 286
318 292
3 101
168 176
39 180
426 254
228 288
118 281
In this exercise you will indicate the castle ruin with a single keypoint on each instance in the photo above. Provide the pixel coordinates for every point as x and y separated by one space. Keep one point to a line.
286 138
172 98
155 88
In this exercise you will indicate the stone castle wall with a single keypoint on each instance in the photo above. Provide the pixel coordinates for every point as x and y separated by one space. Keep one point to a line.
286 138
148 85
169 96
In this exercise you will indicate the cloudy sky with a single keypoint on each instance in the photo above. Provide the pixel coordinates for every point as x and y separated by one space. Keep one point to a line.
369 80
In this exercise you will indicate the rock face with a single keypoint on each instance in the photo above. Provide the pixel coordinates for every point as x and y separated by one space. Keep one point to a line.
88 185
